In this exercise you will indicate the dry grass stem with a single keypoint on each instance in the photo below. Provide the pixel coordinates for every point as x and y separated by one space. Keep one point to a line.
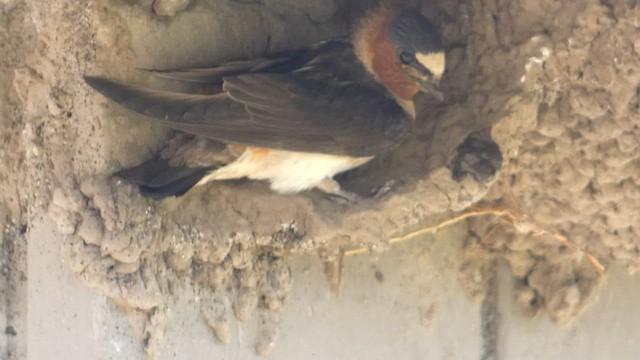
514 218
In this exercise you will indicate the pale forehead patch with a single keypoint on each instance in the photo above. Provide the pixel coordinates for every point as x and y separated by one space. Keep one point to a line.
435 62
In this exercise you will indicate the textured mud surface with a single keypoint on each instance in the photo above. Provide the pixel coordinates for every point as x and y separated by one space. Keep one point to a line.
555 85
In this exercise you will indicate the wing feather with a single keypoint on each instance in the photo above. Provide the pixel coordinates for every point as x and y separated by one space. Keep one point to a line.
214 75
330 105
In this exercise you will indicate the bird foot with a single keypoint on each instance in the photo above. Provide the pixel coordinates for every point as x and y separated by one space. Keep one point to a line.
380 191
346 197
333 189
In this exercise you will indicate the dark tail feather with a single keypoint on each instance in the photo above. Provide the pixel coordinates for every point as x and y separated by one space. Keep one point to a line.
158 180
192 113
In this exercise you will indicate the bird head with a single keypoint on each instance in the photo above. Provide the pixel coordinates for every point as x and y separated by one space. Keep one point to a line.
403 51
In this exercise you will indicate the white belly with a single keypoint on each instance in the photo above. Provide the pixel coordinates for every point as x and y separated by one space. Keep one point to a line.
287 171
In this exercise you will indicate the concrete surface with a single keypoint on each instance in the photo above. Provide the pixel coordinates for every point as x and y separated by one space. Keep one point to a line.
610 329
66 319
408 305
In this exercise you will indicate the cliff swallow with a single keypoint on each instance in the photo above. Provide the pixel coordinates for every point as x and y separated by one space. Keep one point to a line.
295 119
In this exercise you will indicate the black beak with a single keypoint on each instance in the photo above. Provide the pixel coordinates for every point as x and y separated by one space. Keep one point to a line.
431 89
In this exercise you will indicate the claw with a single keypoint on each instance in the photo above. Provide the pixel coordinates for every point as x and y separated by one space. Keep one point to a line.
378 192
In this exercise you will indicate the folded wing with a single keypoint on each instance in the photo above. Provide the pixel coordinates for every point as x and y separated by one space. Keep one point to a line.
327 104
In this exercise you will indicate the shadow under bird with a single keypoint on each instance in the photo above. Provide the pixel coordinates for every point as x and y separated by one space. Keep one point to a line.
294 119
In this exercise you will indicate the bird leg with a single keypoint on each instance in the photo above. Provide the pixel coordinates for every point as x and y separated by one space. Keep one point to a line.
383 190
332 187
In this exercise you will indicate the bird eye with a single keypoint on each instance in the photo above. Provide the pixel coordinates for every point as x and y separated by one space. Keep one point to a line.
406 58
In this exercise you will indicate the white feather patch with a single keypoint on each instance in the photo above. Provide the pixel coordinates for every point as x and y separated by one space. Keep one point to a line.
287 171
435 62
